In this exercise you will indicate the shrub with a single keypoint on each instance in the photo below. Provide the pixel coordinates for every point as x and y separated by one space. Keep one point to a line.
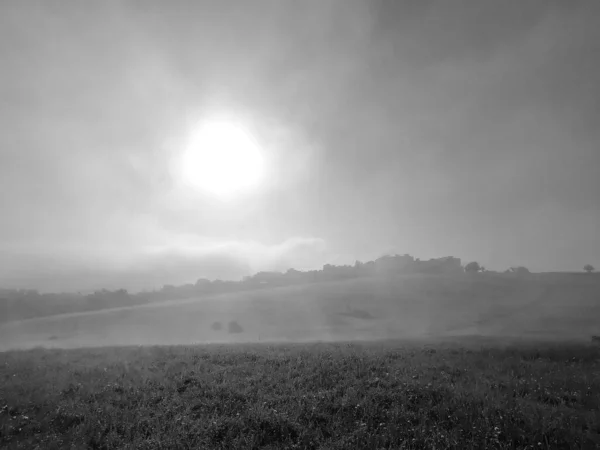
472 267
235 327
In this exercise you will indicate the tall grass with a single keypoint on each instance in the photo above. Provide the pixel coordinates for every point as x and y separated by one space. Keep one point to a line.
338 396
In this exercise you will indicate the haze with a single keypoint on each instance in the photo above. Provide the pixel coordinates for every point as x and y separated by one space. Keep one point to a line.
466 128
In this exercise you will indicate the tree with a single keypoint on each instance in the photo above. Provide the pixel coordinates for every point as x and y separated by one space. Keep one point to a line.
588 268
472 267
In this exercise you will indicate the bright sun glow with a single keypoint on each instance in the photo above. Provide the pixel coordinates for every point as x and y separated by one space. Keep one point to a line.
223 159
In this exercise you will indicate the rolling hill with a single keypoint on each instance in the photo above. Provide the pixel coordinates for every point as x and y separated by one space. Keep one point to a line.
411 306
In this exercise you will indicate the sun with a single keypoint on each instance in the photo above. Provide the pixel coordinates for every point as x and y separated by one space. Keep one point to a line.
223 159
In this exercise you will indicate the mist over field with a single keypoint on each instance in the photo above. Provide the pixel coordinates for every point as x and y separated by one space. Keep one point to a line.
209 211
414 306
201 153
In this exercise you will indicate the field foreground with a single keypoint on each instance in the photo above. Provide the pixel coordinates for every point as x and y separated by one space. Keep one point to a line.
462 394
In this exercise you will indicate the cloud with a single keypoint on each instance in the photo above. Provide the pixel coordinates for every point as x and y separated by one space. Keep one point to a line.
183 260
296 252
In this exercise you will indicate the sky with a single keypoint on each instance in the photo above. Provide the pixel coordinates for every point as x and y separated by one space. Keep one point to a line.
435 128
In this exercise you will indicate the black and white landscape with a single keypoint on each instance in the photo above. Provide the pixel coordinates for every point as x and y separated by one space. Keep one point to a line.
341 224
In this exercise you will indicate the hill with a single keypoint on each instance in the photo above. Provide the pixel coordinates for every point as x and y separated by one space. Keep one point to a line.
419 306
19 304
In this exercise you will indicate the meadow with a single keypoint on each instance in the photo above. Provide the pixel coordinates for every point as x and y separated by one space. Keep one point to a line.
462 394
404 363
412 306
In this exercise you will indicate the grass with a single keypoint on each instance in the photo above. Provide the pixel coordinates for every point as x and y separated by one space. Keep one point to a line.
336 396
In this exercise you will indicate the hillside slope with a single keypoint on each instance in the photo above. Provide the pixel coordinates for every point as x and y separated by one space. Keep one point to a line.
362 309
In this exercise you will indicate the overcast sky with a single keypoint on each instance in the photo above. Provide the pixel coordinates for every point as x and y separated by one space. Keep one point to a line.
465 128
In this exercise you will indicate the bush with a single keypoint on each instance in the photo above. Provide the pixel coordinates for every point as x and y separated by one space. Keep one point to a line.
235 327
472 267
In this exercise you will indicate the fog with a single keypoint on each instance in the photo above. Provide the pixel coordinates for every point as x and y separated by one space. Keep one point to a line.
427 127
368 130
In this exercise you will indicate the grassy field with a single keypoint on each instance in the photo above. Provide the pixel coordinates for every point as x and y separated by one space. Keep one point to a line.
428 362
396 394
361 309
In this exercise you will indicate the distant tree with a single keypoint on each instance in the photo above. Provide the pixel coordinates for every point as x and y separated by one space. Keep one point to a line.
202 282
472 267
588 268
